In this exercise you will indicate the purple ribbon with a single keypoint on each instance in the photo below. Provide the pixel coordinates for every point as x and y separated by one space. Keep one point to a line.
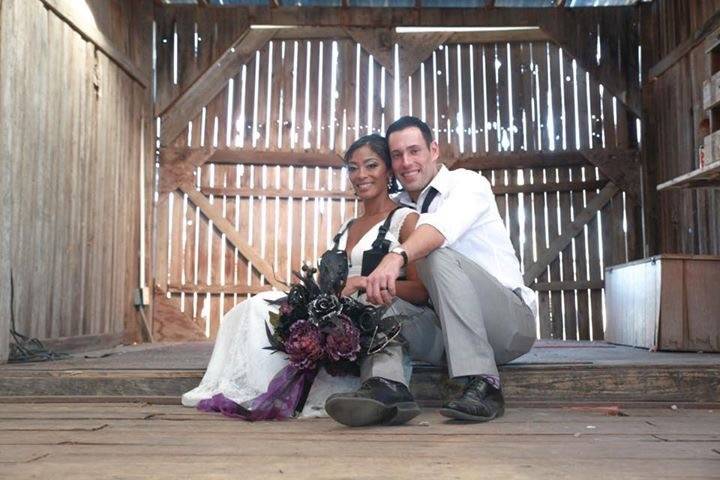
286 391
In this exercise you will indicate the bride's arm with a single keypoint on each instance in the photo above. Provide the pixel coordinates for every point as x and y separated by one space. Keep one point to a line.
411 289
353 284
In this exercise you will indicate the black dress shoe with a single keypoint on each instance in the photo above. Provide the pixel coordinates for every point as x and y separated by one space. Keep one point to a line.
378 401
479 402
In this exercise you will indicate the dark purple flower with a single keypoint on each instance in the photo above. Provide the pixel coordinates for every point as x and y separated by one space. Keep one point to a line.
304 345
343 341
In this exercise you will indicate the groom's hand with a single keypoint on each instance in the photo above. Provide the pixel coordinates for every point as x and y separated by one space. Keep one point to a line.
380 287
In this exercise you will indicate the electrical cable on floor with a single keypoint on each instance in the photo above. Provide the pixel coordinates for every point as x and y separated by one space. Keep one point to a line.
23 348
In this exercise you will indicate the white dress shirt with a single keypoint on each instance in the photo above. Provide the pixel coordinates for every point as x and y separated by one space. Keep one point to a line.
466 214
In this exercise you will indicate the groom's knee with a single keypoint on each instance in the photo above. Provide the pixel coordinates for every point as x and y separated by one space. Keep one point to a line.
433 264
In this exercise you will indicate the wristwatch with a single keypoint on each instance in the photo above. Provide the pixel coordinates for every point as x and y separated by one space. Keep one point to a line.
402 252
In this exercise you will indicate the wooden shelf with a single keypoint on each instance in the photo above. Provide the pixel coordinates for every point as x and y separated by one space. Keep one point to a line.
706 177
711 92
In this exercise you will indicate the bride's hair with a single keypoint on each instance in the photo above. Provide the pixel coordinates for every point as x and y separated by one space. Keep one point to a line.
379 146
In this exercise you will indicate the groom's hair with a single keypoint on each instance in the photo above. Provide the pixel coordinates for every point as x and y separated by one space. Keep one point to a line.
407 122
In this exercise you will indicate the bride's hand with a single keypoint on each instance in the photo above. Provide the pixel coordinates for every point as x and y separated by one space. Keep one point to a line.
354 284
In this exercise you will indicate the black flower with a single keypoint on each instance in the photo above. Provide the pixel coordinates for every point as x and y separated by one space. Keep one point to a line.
368 319
351 307
298 297
324 305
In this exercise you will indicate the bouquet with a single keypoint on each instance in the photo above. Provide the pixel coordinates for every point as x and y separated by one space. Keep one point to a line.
315 327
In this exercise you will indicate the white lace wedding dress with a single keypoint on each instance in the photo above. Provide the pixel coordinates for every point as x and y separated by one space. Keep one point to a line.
241 369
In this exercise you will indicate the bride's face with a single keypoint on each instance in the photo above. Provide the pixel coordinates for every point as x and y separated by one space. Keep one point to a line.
368 173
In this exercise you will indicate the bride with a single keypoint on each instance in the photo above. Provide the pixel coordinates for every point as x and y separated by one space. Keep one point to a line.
240 368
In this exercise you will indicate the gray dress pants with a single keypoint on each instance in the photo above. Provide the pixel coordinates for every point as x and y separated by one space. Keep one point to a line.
478 323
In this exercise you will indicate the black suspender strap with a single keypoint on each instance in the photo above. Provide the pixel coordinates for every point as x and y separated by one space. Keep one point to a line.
338 236
382 231
432 193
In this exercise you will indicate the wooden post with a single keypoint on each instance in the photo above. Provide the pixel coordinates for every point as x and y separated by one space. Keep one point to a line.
649 150
5 206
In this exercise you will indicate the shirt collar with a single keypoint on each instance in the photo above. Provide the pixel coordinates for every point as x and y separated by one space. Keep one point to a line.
439 182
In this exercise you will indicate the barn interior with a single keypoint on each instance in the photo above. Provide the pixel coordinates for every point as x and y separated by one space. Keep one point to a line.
162 161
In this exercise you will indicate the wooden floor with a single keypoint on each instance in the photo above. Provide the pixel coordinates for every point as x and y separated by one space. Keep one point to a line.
92 441
552 374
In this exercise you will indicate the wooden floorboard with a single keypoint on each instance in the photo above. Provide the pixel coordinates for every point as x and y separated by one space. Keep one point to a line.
155 441
552 374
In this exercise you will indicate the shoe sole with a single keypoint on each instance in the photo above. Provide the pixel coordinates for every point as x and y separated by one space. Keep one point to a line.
458 415
361 412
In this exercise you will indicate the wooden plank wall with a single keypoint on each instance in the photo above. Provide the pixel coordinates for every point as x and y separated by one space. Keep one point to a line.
479 98
5 225
71 131
688 221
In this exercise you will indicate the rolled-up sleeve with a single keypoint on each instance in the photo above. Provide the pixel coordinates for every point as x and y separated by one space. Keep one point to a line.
461 208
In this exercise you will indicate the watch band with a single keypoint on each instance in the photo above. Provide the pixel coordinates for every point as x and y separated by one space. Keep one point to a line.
401 251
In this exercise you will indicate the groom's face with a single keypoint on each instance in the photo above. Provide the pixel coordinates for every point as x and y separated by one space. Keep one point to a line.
413 160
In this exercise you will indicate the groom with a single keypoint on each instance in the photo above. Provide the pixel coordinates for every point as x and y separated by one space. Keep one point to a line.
486 315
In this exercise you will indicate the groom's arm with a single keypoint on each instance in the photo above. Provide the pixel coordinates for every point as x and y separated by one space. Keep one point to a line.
381 282
469 199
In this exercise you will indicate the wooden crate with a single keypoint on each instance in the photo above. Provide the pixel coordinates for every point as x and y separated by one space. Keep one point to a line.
666 302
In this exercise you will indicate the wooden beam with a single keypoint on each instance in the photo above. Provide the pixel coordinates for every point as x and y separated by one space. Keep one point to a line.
572 230
413 48
70 12
177 166
622 167
284 158
247 192
493 36
211 82
685 47
561 27
378 42
232 235
324 158
568 285
500 36
568 158
217 289
362 17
